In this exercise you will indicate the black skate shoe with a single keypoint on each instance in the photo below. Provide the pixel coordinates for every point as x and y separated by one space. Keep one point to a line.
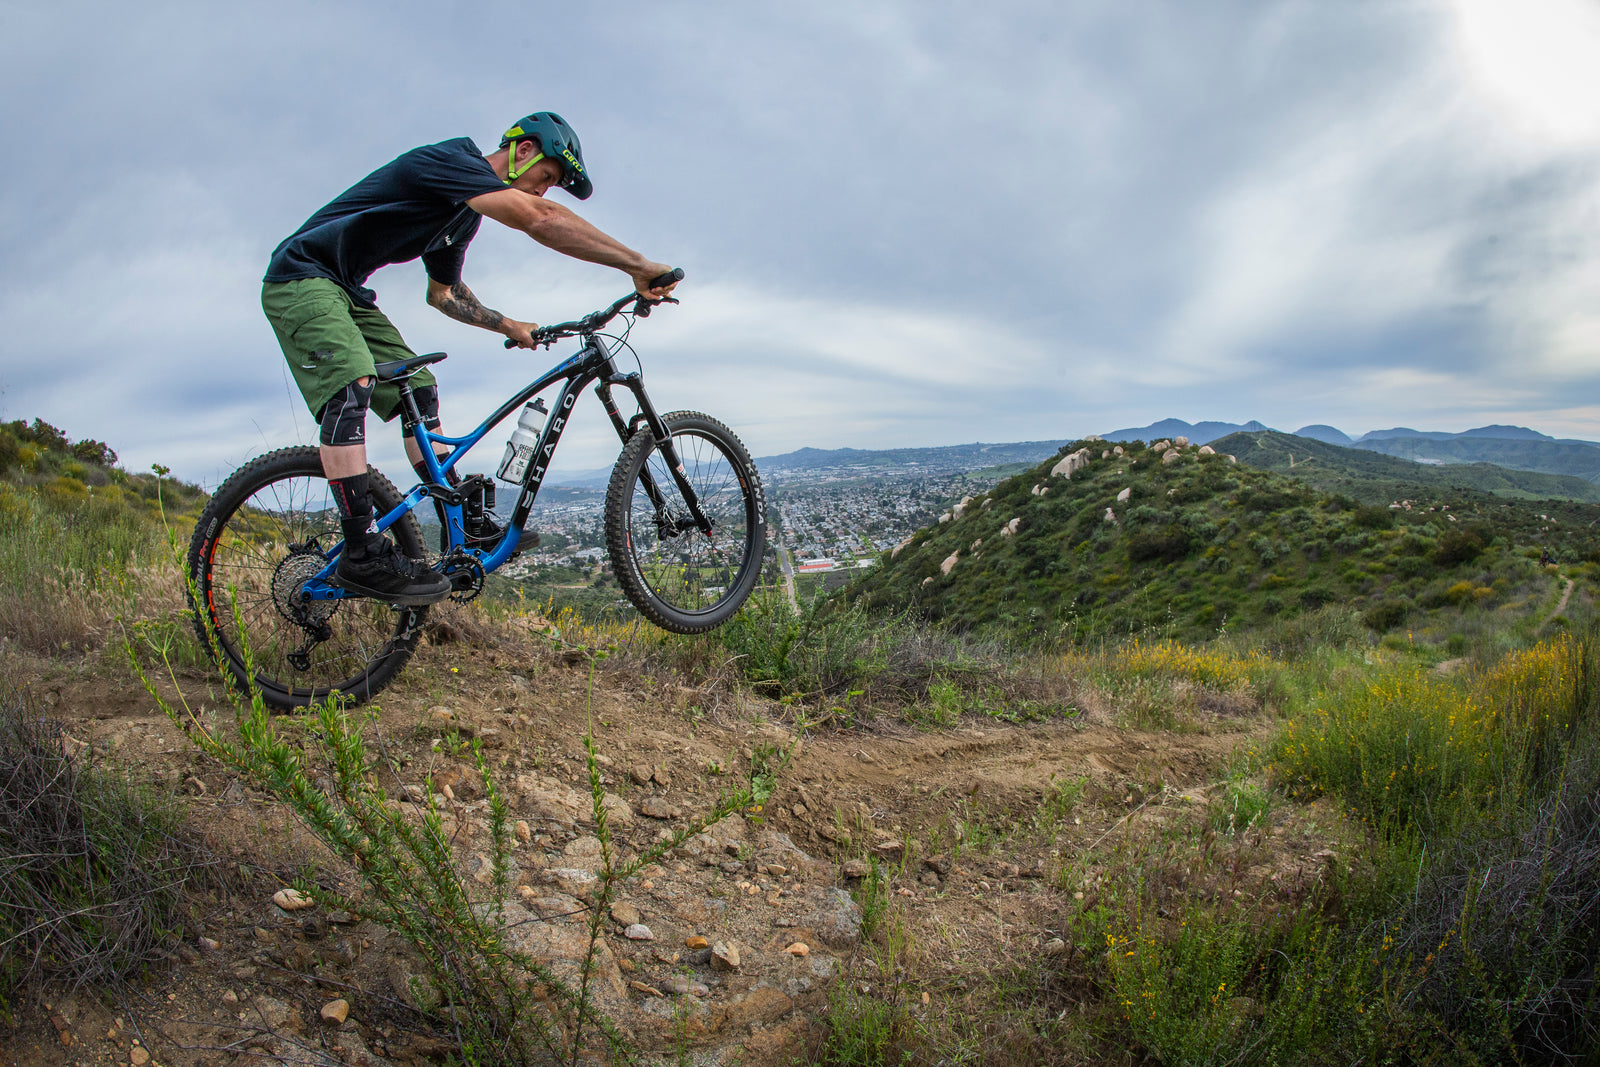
379 570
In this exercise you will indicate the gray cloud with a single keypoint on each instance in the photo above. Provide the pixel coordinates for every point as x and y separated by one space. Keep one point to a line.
904 224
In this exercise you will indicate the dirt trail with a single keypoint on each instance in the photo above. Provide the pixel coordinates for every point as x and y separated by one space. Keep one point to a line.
1561 605
974 825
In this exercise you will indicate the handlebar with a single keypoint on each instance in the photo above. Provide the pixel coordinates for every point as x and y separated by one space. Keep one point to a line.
547 335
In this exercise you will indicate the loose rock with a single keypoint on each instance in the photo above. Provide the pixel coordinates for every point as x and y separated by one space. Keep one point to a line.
799 948
697 942
638 932
624 914
335 1012
290 900
658 808
725 957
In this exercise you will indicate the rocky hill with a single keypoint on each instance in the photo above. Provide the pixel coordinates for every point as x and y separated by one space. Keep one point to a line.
1184 541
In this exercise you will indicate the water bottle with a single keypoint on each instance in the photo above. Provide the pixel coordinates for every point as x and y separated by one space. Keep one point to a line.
519 450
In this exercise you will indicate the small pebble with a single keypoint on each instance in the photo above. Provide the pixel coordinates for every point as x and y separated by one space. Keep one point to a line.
799 948
1054 947
335 1012
229 997
138 1056
523 832
696 942
638 932
208 944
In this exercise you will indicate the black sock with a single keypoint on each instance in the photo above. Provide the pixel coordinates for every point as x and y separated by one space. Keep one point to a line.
355 508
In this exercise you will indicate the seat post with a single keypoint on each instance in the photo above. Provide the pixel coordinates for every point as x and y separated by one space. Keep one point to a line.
410 416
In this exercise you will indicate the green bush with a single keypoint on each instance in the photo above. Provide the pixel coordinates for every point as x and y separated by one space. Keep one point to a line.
1170 542
1386 615
1374 517
1458 546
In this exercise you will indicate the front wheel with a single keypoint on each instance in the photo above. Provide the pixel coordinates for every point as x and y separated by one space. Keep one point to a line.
267 530
679 577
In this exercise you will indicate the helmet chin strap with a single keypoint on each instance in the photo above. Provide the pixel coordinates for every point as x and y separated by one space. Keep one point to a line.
513 172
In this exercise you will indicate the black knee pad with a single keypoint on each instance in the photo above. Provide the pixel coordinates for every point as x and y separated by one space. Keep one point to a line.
344 418
428 404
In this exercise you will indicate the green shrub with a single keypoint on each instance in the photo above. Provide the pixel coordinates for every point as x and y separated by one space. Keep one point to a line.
1458 546
1374 517
1170 542
1386 615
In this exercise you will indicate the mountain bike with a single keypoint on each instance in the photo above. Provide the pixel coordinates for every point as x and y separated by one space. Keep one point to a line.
685 526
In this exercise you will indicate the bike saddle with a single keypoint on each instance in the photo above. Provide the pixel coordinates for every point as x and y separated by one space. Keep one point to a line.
405 368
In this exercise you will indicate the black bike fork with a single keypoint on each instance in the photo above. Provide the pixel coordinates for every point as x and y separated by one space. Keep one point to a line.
669 452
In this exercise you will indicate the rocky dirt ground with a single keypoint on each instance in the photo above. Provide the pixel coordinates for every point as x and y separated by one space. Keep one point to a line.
986 834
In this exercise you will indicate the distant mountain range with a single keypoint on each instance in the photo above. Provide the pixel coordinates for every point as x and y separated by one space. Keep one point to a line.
1513 447
1202 433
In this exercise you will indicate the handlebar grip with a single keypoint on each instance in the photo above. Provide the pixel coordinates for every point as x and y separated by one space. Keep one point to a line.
672 277
510 343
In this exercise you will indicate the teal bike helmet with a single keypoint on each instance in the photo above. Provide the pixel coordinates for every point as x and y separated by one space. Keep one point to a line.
557 141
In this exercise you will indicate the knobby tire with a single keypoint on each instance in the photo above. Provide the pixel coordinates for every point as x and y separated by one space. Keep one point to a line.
241 548
680 579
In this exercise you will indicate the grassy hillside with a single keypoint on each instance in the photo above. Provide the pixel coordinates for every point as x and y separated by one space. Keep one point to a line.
1203 545
1375 478
74 529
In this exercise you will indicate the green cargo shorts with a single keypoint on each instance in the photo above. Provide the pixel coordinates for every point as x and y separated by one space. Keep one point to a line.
330 341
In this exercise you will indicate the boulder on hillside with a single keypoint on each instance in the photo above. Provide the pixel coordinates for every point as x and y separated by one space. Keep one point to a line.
1207 450
1010 528
1180 442
949 562
1172 455
1074 461
959 508
1161 446
1122 497
1111 516
1117 451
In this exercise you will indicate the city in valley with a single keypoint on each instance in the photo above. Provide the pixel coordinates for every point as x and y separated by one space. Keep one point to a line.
828 511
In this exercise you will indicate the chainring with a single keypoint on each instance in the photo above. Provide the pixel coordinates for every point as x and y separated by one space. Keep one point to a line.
466 576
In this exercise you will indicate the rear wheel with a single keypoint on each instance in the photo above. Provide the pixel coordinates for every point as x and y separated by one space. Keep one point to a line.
268 529
680 578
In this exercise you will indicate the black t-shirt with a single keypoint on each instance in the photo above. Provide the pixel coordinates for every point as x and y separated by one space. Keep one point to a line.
414 206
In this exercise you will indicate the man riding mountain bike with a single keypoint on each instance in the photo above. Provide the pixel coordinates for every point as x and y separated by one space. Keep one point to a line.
427 203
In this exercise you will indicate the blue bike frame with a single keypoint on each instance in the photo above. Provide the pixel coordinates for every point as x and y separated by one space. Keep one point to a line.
592 363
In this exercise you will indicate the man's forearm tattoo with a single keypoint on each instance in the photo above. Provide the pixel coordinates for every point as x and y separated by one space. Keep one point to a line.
459 303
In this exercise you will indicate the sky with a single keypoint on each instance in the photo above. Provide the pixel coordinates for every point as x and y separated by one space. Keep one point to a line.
902 224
